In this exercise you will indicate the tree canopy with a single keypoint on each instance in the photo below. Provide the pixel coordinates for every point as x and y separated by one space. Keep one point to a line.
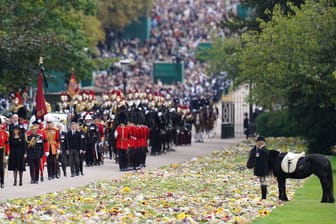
291 63
116 14
64 32
57 30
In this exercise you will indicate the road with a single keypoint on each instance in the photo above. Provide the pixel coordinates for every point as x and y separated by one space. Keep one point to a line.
109 170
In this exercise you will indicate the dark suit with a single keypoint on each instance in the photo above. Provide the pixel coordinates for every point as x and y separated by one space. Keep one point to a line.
74 145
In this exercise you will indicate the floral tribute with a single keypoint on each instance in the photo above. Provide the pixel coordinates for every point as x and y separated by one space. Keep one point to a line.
216 188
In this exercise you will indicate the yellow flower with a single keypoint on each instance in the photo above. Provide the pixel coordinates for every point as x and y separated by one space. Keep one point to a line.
88 200
144 203
126 190
263 212
181 216
174 165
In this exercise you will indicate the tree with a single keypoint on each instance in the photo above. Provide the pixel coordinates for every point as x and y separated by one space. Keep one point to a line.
292 60
260 10
116 14
58 30
224 56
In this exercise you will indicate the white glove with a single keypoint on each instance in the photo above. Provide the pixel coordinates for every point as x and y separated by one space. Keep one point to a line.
47 154
6 157
58 151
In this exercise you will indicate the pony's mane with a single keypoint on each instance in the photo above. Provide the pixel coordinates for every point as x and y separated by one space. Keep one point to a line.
273 154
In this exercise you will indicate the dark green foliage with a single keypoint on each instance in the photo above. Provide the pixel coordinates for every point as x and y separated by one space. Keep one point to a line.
261 9
277 124
317 116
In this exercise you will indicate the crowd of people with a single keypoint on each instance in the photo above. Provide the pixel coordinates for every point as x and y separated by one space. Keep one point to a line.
177 28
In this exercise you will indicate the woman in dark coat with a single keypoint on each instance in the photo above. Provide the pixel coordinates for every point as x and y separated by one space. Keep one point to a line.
16 161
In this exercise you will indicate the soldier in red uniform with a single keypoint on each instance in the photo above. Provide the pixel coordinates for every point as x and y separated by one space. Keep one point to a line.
144 144
4 152
51 147
132 145
122 135
99 157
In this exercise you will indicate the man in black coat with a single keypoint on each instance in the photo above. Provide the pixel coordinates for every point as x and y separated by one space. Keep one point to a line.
74 146
246 125
63 156
261 164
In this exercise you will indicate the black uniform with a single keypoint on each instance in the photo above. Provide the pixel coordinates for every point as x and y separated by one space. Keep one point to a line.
91 140
34 155
63 157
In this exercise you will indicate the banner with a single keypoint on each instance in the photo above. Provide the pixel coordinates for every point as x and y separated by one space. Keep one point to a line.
41 108
73 87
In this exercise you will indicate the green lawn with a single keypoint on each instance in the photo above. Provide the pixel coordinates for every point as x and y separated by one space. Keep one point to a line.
305 207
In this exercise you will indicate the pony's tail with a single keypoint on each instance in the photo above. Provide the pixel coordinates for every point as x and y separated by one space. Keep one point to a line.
331 182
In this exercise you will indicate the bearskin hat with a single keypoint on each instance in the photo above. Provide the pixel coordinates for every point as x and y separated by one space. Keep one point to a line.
122 117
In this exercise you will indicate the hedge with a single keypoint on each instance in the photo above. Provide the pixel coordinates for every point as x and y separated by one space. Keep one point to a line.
277 124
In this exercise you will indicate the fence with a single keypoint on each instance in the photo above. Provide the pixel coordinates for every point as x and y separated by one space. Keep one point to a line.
233 109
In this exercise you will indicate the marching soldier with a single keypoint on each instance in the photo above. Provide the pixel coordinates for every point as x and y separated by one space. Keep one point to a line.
40 132
110 126
4 152
62 157
91 140
99 157
132 145
143 144
35 151
51 148
121 135
82 151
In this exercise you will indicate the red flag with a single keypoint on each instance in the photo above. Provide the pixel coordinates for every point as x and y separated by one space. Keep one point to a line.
73 87
41 108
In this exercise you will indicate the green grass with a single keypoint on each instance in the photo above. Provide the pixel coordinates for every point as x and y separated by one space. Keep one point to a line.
305 207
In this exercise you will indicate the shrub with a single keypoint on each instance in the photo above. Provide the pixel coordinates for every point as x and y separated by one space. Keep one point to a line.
277 124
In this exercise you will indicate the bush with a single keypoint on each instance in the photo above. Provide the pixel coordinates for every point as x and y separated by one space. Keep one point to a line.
277 124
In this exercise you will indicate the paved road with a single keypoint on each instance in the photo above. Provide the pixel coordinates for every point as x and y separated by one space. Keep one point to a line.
109 170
